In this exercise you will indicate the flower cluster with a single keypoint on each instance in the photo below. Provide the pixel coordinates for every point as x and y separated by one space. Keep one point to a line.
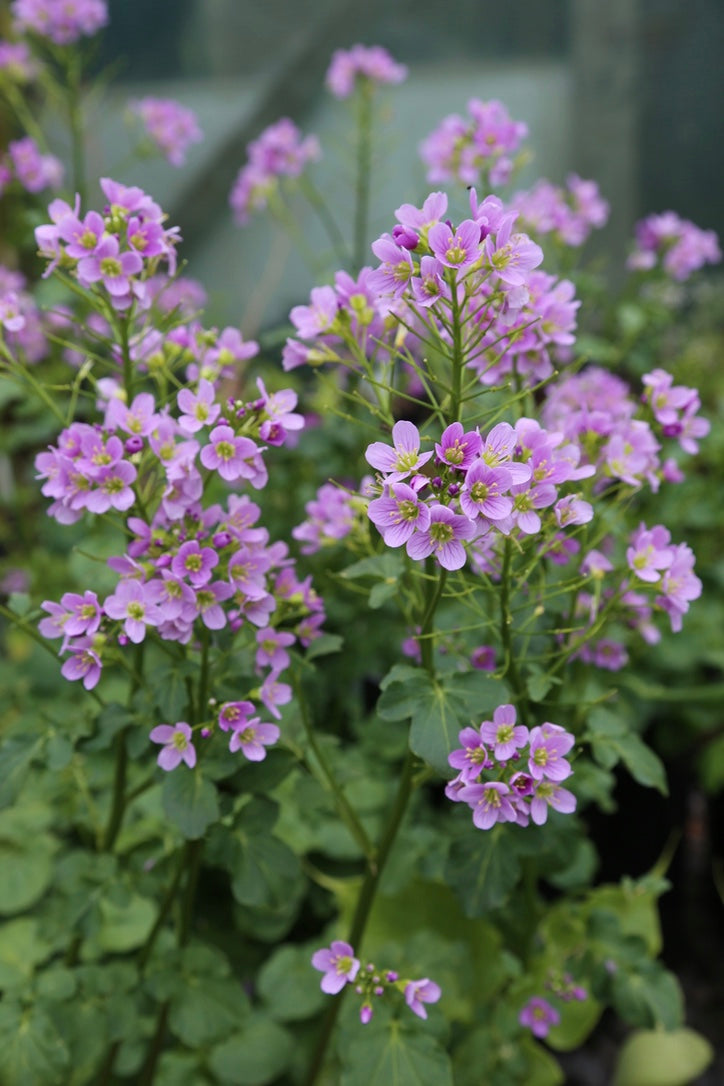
17 62
114 252
477 488
20 318
538 1015
372 63
171 127
331 516
491 783
595 410
568 213
341 967
668 568
467 148
280 151
62 22
673 244
31 168
514 319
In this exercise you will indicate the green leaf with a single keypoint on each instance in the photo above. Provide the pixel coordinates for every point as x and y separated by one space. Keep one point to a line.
401 691
482 869
17 756
263 869
25 856
648 996
436 720
125 927
171 693
656 1058
642 763
289 986
112 719
388 565
21 949
180 1069
255 1055
324 646
32 1052
189 801
205 1009
396 1057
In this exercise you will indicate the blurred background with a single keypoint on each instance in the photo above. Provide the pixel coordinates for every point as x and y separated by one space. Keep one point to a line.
628 92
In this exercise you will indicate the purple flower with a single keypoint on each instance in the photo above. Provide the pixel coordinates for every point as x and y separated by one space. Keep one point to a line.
549 744
234 714
84 663
459 248
194 562
63 23
506 736
111 267
84 613
471 757
252 738
401 460
234 457
458 449
198 408
442 538
272 648
398 514
650 552
483 492
370 62
489 803
177 745
171 126
338 964
538 1015
418 992
137 605
547 794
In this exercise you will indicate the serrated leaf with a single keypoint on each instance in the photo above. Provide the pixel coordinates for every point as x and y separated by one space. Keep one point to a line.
21 949
482 869
190 801
648 996
396 1057
255 1055
436 720
125 927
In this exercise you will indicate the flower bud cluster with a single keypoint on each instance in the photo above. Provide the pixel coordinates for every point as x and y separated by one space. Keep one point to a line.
341 967
491 783
113 253
538 1015
481 144
17 63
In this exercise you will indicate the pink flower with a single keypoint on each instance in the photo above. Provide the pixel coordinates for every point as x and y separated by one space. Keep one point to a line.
338 964
177 745
252 738
418 992
538 1015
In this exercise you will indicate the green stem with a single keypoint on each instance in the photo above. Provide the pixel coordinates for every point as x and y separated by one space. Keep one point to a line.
457 355
506 634
365 93
119 800
327 219
164 909
364 908
123 335
346 811
75 117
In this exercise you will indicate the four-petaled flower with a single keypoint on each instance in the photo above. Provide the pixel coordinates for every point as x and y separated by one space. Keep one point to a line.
177 745
338 964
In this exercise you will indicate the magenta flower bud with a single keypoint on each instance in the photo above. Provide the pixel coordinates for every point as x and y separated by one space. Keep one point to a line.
221 539
437 482
391 976
379 990
122 639
453 489
163 561
405 237
133 444
206 732
365 1013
